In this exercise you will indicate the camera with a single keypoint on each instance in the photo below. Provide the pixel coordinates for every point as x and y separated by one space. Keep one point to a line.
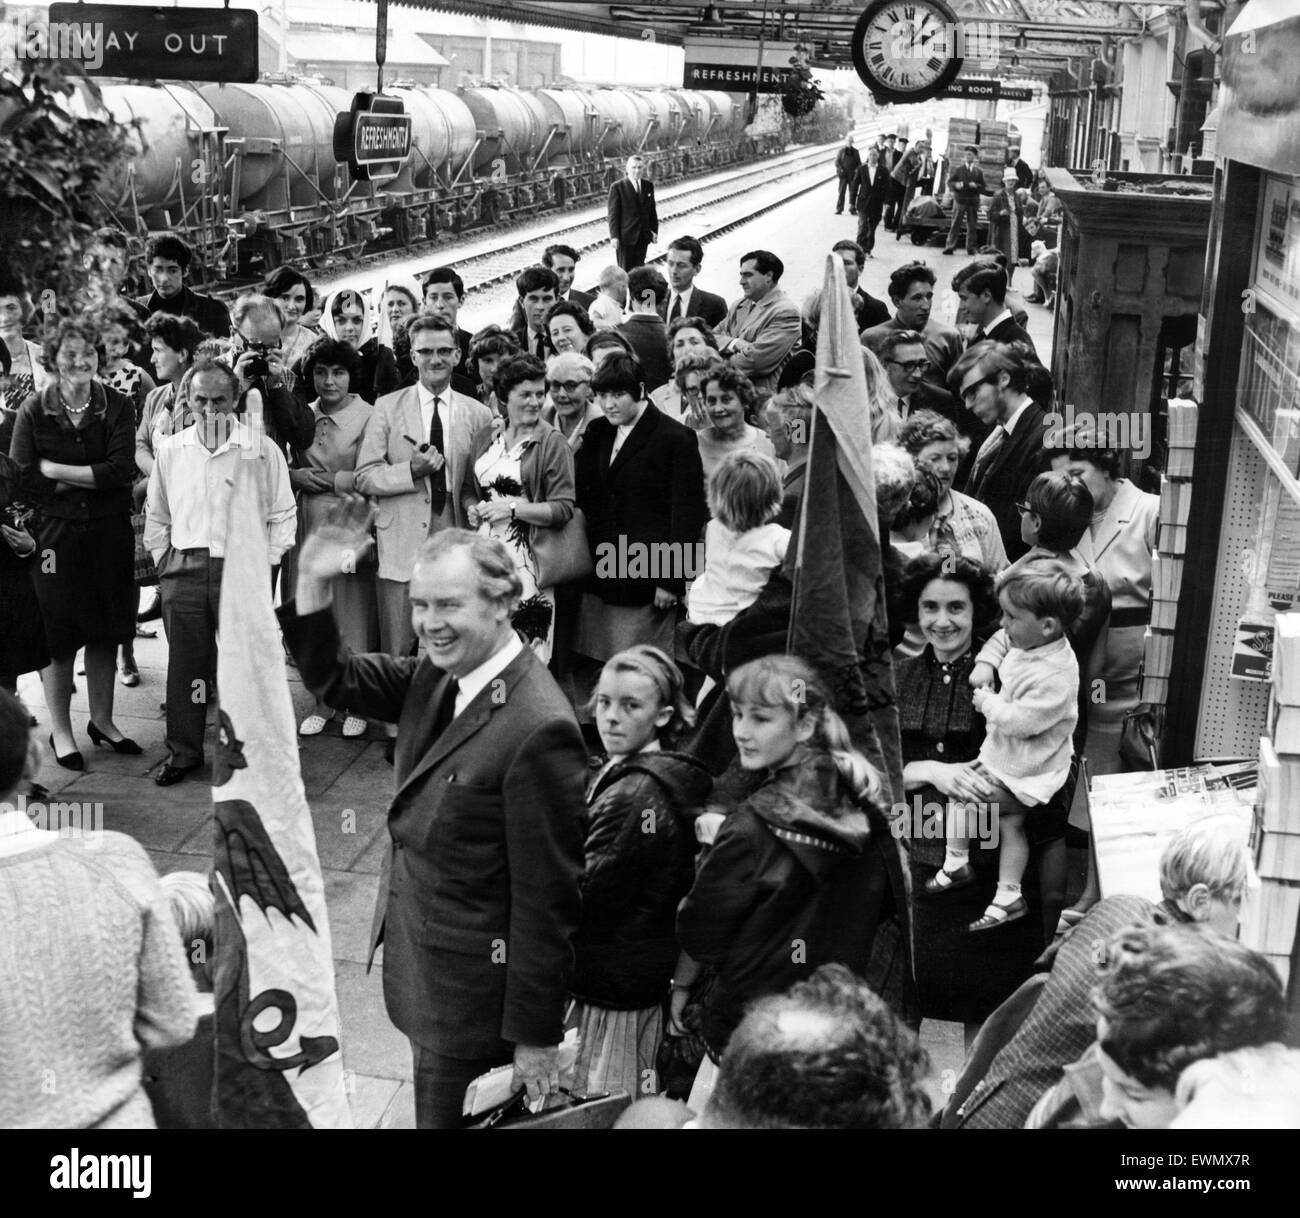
258 368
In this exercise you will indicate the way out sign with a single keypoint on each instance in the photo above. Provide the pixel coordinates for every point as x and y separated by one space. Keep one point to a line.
208 44
374 137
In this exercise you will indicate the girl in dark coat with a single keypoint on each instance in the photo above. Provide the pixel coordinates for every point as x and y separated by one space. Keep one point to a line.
639 852
797 874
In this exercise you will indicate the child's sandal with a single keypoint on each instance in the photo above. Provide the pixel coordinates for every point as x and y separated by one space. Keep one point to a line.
999 915
948 881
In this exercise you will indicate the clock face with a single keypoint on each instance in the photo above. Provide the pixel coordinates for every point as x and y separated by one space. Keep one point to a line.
906 50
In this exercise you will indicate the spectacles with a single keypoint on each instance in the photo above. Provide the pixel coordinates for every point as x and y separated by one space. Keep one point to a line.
911 365
443 353
1025 510
569 387
968 391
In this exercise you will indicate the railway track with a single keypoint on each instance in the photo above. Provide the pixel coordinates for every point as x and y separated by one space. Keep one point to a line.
485 264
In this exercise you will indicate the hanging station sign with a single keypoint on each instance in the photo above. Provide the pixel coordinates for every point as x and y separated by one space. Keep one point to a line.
199 44
373 138
731 64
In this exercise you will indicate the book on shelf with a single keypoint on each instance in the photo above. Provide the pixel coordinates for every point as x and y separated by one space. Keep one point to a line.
1173 538
1279 790
1180 462
1157 652
1175 501
1180 414
1286 683
1154 690
1269 914
1166 576
1278 856
1164 615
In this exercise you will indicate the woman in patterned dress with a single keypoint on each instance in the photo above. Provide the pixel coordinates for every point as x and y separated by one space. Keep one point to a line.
522 478
27 373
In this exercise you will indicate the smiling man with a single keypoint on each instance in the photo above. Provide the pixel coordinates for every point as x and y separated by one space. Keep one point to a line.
478 898
911 289
412 460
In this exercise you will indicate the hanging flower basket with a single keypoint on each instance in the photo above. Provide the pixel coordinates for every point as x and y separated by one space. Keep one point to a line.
800 92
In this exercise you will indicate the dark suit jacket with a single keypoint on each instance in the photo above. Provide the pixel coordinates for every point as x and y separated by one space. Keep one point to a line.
479 897
207 312
649 338
517 315
870 196
1001 481
633 216
652 493
708 305
1007 331
966 184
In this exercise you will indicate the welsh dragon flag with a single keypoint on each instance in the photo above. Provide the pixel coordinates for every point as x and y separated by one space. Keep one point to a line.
278 1062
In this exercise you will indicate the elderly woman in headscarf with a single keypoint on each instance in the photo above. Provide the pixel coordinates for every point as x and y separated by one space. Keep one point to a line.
346 317
399 301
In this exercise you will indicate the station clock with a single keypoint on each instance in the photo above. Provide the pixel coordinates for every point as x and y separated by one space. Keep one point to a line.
907 50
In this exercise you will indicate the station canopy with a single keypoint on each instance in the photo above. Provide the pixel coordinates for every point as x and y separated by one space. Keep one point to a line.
1035 38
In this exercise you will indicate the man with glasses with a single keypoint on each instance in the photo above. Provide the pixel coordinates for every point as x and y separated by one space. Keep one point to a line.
903 354
412 461
259 364
993 383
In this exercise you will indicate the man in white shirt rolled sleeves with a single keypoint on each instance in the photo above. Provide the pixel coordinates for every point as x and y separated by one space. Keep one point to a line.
185 530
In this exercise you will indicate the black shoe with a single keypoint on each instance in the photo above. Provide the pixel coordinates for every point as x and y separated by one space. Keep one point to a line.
69 761
124 746
170 775
390 749
949 251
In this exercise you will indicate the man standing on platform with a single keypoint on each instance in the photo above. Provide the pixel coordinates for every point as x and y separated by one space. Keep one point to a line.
966 183
478 897
633 218
907 174
894 189
869 189
185 531
764 325
444 293
983 295
647 290
412 460
847 161
537 287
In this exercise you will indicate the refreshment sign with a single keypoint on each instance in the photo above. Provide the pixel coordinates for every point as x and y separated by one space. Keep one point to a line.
374 137
201 44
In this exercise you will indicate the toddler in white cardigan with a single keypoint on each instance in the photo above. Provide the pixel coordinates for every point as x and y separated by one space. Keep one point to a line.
742 545
1026 753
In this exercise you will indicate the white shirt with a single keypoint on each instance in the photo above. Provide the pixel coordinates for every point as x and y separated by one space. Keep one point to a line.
19 833
684 297
427 398
473 683
1009 426
188 505
737 567
989 326
623 430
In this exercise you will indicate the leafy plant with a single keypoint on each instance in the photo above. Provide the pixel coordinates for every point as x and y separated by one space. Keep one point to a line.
56 144
800 93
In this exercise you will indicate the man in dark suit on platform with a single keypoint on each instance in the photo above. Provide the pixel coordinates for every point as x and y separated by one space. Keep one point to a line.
536 287
633 218
983 291
966 182
1015 451
870 186
644 328
479 894
682 263
563 260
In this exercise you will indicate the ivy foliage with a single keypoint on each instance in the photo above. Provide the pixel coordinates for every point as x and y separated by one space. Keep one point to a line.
57 142
800 93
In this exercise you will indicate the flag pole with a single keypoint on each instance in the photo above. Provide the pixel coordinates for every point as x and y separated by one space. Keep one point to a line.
803 533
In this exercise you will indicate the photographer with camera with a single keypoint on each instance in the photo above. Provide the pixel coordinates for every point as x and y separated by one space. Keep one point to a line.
259 364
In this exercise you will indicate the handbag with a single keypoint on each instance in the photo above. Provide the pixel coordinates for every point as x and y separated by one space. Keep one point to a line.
562 553
1139 738
575 1112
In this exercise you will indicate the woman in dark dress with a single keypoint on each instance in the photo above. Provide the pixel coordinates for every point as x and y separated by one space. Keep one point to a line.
959 976
22 633
74 444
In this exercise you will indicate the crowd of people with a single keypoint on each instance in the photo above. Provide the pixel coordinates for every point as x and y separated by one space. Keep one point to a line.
664 818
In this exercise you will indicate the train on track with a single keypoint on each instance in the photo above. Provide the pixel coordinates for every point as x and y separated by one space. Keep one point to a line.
247 172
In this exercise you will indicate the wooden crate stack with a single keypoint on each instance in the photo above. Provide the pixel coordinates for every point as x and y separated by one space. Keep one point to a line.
1167 563
993 141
